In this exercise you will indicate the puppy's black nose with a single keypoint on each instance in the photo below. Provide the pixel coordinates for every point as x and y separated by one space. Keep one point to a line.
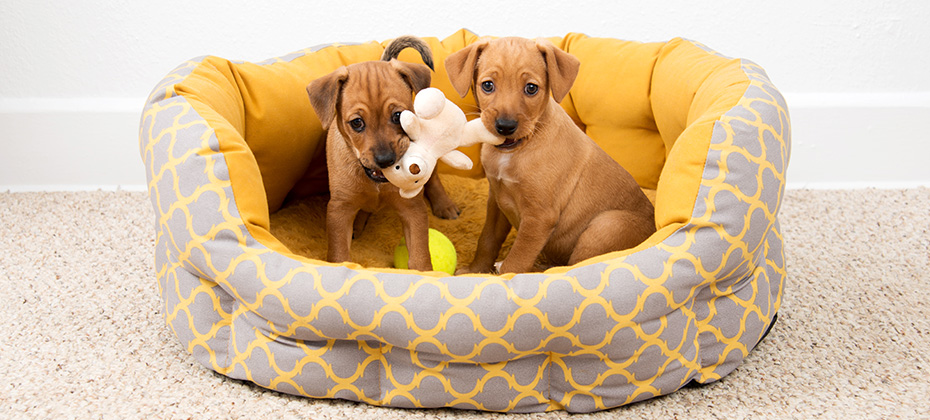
505 127
384 157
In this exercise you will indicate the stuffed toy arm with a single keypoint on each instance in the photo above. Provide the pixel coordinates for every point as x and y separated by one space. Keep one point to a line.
457 160
472 133
410 124
476 132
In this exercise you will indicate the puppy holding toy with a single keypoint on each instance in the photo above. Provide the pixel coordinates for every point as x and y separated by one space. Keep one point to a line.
567 198
436 130
360 105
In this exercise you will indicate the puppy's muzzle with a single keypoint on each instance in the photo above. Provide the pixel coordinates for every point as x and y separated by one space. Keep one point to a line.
384 157
505 127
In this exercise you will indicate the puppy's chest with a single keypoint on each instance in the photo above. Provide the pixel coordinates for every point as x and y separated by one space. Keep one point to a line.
501 169
504 176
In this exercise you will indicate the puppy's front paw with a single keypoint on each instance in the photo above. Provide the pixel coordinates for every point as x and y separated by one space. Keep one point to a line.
504 267
446 210
463 270
473 269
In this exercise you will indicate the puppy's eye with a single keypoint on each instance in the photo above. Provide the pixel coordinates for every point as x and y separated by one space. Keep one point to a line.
530 89
487 86
395 118
357 124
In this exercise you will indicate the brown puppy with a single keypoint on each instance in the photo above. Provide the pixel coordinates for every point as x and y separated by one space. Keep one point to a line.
360 105
566 197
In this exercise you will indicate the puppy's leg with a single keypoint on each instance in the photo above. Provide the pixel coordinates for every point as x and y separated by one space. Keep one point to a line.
339 219
495 231
415 221
443 206
611 231
532 236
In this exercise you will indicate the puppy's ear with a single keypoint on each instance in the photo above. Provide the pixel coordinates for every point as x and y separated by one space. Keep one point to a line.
324 94
561 67
461 65
416 75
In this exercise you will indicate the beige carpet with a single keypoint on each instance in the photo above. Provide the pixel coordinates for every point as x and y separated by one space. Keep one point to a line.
83 337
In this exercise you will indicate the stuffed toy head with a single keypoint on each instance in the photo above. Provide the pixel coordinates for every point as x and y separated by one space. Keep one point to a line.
436 129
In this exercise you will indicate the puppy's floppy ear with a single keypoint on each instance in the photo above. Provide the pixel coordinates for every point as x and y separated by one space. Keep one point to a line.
561 67
324 94
461 65
416 75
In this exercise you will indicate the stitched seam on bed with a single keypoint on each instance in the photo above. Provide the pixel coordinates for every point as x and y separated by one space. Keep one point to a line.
549 379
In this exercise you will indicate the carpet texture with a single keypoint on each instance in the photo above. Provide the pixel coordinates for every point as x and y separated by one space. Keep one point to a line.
83 335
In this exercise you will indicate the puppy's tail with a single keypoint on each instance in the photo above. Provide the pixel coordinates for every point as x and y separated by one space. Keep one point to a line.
409 41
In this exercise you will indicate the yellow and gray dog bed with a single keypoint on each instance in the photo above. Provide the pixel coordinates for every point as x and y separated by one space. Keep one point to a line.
226 145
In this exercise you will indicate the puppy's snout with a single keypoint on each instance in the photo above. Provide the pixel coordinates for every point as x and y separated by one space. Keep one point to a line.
384 156
505 127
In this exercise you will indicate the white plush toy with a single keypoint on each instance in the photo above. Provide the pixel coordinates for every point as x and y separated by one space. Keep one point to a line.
436 130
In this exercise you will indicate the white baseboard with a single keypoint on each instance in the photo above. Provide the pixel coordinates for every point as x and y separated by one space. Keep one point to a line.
49 144
861 140
71 188
840 141
857 99
855 185
70 105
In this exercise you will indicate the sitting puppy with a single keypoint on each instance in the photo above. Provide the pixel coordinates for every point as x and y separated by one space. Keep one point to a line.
567 198
360 105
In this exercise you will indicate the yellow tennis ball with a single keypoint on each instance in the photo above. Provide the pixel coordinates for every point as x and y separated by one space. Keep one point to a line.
441 251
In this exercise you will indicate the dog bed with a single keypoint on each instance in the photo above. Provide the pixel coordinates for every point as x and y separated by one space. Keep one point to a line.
227 144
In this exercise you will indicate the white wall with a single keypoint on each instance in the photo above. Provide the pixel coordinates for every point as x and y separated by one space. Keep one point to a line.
74 75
